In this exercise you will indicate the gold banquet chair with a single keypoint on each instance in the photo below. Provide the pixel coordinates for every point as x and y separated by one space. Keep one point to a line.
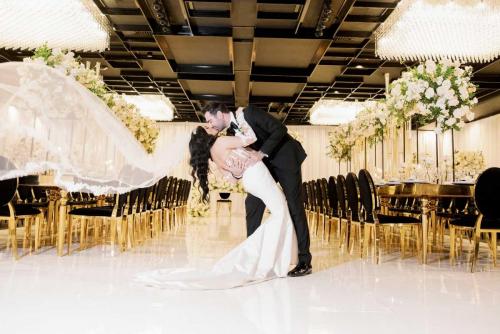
11 212
486 197
373 221
114 214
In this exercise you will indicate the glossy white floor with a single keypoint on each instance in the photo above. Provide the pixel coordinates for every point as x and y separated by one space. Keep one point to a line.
92 292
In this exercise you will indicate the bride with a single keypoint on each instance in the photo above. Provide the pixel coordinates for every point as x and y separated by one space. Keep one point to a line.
268 252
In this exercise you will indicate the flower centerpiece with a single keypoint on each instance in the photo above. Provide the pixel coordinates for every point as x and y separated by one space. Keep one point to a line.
144 129
341 139
433 91
372 121
469 164
197 208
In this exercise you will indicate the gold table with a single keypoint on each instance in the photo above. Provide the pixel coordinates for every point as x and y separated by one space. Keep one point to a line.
428 194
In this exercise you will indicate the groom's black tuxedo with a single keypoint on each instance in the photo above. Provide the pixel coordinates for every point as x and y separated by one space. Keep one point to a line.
285 157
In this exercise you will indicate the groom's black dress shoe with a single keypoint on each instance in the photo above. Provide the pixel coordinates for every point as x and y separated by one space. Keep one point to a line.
302 269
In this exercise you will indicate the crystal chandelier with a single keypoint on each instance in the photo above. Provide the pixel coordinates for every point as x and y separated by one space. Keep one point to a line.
154 106
70 24
334 112
463 30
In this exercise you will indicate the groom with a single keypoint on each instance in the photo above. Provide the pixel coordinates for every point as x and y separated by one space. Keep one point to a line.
283 156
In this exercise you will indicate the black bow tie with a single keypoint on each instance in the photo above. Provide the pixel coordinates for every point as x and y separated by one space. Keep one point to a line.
233 126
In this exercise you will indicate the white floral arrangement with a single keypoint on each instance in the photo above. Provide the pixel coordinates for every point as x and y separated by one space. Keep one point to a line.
341 139
371 121
223 186
435 91
469 164
144 129
197 208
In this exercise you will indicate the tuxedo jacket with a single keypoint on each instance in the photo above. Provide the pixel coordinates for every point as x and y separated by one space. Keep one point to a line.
283 151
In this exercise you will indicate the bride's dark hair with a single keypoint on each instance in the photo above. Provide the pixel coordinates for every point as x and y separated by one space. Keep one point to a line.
199 147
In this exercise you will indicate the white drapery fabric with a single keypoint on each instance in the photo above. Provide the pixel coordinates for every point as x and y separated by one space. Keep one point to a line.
49 121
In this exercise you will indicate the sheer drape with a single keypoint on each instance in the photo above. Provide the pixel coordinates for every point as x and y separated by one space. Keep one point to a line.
48 121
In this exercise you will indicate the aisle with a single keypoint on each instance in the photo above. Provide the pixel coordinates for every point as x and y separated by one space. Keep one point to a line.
91 292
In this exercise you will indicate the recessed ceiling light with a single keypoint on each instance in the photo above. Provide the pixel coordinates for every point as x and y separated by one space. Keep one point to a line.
359 66
315 88
150 86
336 92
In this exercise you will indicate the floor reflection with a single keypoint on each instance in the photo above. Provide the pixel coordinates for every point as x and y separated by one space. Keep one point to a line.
92 291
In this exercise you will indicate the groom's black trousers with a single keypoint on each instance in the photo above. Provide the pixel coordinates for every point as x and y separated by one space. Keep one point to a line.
291 183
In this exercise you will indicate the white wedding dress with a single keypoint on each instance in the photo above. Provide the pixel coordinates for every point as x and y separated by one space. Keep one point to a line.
266 254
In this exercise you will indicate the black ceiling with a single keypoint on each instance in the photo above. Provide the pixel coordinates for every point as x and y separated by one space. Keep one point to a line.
283 55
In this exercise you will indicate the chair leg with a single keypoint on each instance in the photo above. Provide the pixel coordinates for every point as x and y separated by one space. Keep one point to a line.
477 235
366 240
376 242
402 241
70 233
419 241
494 247
96 231
83 232
453 242
113 231
130 231
38 232
13 237
360 241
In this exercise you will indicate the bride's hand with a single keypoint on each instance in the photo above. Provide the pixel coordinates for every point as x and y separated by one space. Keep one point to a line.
235 166
254 158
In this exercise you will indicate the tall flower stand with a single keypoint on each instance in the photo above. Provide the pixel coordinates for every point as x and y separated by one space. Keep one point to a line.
224 201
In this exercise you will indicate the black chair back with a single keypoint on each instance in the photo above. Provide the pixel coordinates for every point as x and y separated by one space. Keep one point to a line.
132 202
342 196
332 195
352 188
323 183
368 192
188 190
140 199
120 206
160 192
486 193
318 194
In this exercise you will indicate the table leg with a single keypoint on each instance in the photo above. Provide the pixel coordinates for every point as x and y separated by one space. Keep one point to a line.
61 223
384 205
428 208
425 225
